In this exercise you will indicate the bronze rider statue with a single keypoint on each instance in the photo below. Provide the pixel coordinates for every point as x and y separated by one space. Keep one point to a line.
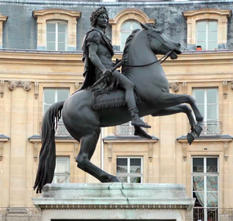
97 55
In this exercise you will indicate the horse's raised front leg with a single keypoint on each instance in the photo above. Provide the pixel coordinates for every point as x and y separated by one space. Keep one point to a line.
88 145
168 100
182 108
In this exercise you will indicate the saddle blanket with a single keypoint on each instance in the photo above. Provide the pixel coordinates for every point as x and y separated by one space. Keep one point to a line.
111 99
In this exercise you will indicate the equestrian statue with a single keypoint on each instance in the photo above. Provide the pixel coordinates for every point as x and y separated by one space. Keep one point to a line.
109 97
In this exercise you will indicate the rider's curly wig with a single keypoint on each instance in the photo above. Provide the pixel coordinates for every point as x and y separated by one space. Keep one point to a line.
95 14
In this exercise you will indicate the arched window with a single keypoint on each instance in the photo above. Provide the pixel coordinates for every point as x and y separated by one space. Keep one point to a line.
56 35
207 34
126 29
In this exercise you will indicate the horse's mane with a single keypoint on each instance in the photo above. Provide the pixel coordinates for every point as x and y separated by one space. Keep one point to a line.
125 56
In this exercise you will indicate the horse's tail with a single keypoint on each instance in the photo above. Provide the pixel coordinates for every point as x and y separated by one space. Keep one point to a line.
47 160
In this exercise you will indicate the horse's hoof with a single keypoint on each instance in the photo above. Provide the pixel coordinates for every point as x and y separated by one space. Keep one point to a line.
197 129
114 179
190 138
109 179
140 132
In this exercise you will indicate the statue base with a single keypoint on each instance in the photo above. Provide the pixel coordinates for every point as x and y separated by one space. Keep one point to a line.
114 201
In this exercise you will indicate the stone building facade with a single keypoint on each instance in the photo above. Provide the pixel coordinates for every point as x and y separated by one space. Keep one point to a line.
41 63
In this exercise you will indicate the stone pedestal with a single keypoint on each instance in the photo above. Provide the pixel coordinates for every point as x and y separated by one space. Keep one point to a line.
114 201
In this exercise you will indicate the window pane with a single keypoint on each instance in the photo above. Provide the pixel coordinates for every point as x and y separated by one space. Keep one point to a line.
121 165
198 214
62 27
212 94
51 46
51 27
211 112
199 196
62 94
49 96
198 165
198 183
212 183
213 26
61 37
135 179
212 165
61 46
212 214
199 95
201 26
212 199
123 179
135 165
51 37
212 45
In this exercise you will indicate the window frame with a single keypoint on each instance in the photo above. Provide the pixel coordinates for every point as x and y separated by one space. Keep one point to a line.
205 174
56 22
2 20
141 175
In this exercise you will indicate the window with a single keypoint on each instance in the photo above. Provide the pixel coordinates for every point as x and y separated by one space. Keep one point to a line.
129 169
56 35
205 188
207 35
207 102
51 96
51 26
126 28
120 22
207 27
62 170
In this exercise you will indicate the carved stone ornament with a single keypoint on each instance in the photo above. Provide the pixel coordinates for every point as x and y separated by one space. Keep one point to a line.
175 86
26 85
2 84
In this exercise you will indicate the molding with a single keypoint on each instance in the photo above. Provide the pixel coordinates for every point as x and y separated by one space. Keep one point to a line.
2 86
36 89
207 11
124 15
128 139
54 11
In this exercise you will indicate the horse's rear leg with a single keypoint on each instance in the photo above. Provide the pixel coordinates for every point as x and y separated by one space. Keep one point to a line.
88 145
182 108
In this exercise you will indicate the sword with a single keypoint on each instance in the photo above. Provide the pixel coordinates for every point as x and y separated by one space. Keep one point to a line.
117 65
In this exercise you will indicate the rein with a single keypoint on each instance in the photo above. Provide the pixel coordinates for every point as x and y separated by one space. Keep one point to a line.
161 60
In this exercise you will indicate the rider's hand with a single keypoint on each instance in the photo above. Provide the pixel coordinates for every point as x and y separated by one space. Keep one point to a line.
107 73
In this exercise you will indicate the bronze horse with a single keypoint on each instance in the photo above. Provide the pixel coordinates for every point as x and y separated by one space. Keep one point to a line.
83 122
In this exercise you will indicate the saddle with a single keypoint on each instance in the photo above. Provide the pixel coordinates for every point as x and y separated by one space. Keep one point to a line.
112 99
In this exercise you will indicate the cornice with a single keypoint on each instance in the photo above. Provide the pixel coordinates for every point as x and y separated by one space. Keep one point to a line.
45 12
3 18
207 11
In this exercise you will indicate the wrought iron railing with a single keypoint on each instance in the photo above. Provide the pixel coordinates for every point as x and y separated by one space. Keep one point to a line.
125 130
211 128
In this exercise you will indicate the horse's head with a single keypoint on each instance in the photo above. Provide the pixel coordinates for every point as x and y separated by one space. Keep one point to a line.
160 44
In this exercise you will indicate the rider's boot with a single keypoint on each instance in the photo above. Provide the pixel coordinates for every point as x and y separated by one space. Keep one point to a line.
135 119
138 131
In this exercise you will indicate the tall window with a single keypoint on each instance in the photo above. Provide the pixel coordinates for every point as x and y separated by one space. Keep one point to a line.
205 188
129 169
207 34
207 102
126 28
56 35
51 96
62 170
